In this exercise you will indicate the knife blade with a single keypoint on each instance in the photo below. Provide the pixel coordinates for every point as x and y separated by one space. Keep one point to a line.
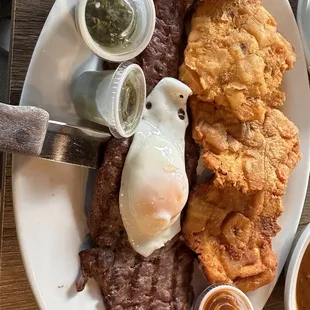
29 131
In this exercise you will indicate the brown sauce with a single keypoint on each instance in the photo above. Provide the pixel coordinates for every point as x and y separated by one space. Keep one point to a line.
303 283
225 300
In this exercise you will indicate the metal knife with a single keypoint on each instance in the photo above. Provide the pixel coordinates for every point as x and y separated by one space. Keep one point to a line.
28 131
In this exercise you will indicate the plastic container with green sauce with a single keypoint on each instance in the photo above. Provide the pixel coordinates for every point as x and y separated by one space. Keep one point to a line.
112 98
111 23
116 30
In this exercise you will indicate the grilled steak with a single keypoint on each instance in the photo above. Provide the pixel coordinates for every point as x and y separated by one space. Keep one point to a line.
161 281
161 58
130 281
127 279
104 219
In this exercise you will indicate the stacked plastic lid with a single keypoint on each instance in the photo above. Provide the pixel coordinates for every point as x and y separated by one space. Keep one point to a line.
303 19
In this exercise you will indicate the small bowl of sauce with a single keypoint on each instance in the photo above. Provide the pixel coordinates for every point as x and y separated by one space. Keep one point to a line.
116 30
223 297
297 284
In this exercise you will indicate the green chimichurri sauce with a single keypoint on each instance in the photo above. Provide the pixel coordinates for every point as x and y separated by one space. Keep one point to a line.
111 23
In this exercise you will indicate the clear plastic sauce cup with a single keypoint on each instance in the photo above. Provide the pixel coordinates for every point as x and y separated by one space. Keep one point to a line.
144 15
223 297
112 98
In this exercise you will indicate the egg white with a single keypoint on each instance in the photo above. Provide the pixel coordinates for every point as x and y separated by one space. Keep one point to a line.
154 186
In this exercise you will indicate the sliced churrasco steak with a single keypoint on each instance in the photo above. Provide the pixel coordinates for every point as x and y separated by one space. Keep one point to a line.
128 280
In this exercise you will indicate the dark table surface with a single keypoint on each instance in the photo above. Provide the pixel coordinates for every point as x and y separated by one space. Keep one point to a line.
15 293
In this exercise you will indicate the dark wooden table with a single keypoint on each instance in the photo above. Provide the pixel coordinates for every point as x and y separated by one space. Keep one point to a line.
15 293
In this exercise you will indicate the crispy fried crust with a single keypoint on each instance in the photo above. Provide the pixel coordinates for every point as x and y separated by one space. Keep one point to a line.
231 233
236 57
234 63
249 155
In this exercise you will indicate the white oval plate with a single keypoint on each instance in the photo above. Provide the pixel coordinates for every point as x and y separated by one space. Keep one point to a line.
49 198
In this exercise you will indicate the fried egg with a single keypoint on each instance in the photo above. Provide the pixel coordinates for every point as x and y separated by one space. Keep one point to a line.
154 187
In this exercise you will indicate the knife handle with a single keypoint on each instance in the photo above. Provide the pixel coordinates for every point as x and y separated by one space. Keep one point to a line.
22 129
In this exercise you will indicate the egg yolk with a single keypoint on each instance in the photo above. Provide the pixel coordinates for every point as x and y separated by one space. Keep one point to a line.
158 207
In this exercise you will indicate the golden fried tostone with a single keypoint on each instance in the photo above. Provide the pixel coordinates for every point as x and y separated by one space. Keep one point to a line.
231 233
236 57
249 155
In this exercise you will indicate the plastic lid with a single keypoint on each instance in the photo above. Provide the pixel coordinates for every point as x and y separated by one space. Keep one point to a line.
126 99
141 37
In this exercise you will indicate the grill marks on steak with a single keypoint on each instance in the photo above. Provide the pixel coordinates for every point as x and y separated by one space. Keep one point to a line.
161 281
161 58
